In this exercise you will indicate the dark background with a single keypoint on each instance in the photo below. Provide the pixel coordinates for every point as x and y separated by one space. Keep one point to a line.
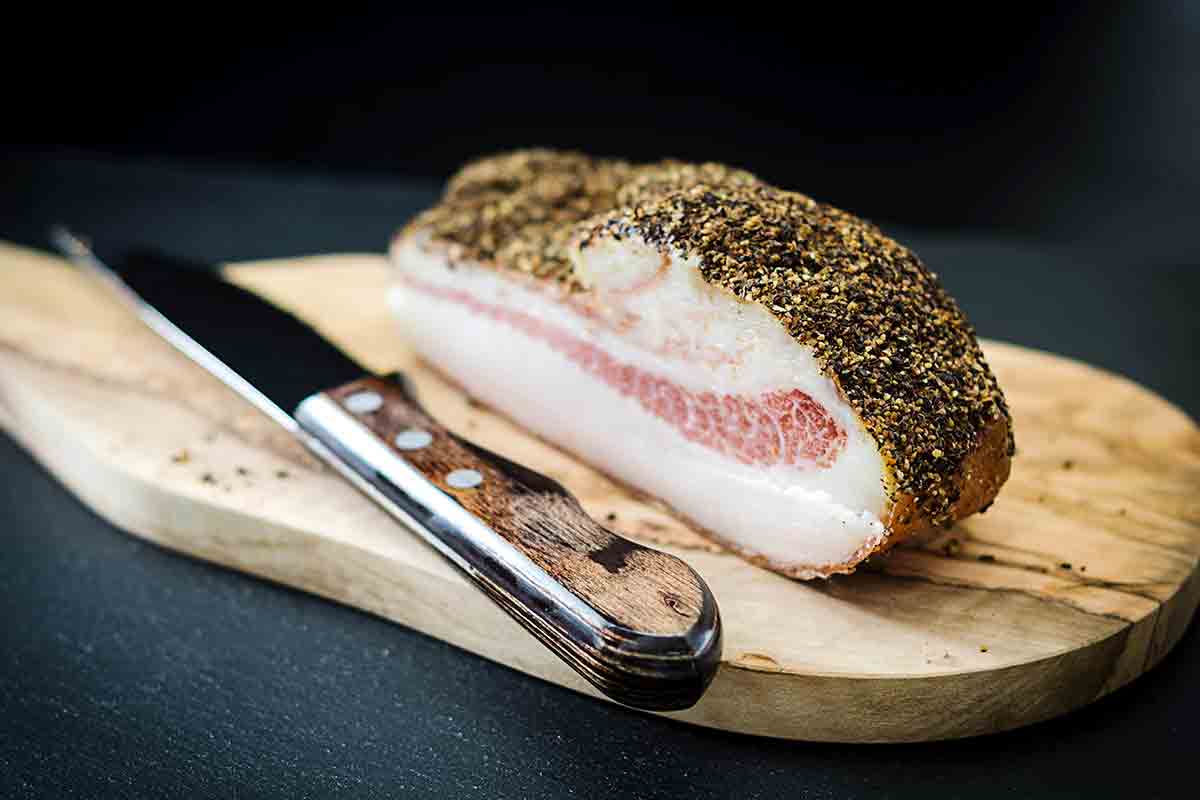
1057 119
1043 160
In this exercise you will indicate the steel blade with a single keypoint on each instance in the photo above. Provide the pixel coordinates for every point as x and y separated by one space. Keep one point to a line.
264 353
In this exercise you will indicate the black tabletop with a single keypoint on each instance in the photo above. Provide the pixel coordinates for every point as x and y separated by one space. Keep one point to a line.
126 670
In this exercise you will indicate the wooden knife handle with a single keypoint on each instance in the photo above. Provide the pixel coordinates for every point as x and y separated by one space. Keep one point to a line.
637 623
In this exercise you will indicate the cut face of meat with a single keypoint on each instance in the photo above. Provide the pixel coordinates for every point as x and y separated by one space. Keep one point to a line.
666 382
783 374
782 427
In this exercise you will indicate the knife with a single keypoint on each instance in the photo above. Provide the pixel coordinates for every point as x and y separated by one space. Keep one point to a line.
640 625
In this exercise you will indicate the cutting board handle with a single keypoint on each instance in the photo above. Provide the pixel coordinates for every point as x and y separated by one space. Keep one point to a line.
637 623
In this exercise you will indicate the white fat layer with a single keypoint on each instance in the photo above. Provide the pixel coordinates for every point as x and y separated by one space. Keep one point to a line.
659 315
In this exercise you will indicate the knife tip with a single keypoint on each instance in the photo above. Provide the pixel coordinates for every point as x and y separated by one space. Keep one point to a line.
67 242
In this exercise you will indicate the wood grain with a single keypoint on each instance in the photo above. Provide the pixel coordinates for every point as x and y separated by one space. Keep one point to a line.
1080 577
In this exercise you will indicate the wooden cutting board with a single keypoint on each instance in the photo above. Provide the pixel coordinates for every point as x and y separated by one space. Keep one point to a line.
1080 578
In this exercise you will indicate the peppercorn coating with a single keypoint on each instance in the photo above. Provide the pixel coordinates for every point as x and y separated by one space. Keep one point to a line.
879 323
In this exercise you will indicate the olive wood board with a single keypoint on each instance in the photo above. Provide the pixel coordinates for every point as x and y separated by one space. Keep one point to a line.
1080 578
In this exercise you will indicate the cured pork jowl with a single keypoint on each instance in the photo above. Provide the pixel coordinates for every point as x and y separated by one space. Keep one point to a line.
778 372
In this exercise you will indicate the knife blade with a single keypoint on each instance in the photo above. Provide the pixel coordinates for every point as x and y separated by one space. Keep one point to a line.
638 624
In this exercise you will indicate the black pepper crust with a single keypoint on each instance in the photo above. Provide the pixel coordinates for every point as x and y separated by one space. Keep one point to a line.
879 323
520 210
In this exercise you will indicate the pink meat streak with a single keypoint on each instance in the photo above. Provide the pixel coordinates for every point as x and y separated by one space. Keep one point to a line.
785 427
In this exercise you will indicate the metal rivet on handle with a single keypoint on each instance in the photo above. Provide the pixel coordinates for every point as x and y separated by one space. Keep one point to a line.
412 439
464 479
364 402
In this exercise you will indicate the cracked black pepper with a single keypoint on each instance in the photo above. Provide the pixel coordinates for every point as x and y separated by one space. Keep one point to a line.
879 323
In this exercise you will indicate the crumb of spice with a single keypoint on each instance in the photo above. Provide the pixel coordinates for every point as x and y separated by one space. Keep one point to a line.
878 321
983 648
208 477
182 457
1065 565
282 473
987 558
610 517
242 471
1068 464
1082 568
1122 512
